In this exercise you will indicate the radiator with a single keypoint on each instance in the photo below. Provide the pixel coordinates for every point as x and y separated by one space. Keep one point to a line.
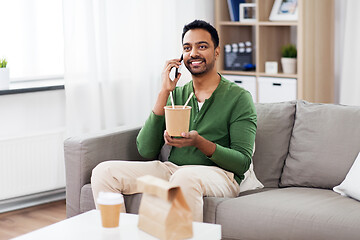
31 164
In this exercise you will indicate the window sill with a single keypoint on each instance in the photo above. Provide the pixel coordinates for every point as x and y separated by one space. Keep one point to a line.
34 86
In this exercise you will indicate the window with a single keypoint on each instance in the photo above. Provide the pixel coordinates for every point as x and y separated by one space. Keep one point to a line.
32 38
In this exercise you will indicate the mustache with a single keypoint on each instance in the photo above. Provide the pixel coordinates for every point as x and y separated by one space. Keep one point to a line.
195 59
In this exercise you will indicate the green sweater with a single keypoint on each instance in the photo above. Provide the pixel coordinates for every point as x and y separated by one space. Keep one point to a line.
228 119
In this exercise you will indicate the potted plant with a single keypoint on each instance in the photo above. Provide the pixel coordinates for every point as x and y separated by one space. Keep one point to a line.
288 60
4 75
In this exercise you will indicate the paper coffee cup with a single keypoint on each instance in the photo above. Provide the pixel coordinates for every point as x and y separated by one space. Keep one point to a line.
177 120
110 204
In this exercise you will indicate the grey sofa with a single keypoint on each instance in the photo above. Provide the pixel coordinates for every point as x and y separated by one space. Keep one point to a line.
302 151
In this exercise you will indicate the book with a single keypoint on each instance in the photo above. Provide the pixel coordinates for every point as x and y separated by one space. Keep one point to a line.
234 9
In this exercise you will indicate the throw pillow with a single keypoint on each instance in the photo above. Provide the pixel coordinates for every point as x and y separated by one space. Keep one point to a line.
323 144
274 126
351 185
250 181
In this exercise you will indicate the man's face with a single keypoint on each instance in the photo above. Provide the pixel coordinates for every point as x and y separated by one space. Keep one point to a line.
198 51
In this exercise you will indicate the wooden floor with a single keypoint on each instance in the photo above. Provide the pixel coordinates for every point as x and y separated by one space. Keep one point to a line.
13 224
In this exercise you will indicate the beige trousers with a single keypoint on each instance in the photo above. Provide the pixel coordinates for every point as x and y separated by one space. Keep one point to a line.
195 181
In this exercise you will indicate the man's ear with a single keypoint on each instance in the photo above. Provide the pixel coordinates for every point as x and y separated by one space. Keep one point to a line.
217 52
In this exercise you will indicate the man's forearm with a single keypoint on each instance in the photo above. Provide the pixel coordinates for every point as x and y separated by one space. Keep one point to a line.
160 103
205 146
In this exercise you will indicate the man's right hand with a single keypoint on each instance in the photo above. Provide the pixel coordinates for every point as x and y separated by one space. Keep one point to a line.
169 85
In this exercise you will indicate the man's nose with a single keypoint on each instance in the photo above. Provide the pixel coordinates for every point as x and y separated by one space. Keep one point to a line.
194 53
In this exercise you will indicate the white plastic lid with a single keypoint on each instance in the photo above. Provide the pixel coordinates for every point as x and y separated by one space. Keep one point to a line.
110 198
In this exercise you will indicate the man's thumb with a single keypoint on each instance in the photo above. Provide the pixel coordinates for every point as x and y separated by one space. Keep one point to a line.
185 135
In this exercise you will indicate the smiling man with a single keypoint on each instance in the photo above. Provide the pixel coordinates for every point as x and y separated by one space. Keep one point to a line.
212 158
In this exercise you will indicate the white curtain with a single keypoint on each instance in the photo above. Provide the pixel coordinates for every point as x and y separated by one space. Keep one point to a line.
350 66
114 54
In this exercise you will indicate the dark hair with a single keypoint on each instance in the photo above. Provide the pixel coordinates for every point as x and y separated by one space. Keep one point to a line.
203 25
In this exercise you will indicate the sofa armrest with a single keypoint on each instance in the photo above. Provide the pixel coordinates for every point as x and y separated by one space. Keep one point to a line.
82 154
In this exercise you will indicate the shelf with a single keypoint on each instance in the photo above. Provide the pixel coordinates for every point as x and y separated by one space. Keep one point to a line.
250 73
314 28
262 23
268 23
230 23
262 74
281 75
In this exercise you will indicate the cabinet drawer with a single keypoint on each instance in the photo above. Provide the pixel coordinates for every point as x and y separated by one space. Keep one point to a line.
276 89
246 82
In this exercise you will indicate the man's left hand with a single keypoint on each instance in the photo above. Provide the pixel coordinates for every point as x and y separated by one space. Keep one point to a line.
188 139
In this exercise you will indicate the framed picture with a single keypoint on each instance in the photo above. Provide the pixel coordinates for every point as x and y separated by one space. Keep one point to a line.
247 12
284 10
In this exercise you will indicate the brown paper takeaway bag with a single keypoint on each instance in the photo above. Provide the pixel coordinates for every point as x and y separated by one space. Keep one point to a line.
163 211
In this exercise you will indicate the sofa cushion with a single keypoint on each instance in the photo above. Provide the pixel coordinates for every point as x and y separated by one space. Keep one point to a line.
211 203
86 199
324 143
132 202
274 127
290 213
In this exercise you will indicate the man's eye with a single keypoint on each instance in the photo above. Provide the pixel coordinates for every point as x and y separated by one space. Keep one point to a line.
186 48
202 47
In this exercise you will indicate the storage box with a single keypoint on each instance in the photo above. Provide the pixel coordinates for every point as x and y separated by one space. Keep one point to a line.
246 82
238 56
276 89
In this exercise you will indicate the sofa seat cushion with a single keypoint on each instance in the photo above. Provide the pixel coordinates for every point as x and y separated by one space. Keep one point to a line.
290 213
211 203
132 202
323 146
86 199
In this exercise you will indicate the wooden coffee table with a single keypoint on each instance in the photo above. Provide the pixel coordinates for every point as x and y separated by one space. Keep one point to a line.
88 226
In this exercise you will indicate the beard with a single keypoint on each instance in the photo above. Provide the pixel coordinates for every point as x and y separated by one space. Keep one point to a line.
200 70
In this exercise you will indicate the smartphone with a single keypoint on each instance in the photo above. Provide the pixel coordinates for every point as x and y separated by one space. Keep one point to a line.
177 70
